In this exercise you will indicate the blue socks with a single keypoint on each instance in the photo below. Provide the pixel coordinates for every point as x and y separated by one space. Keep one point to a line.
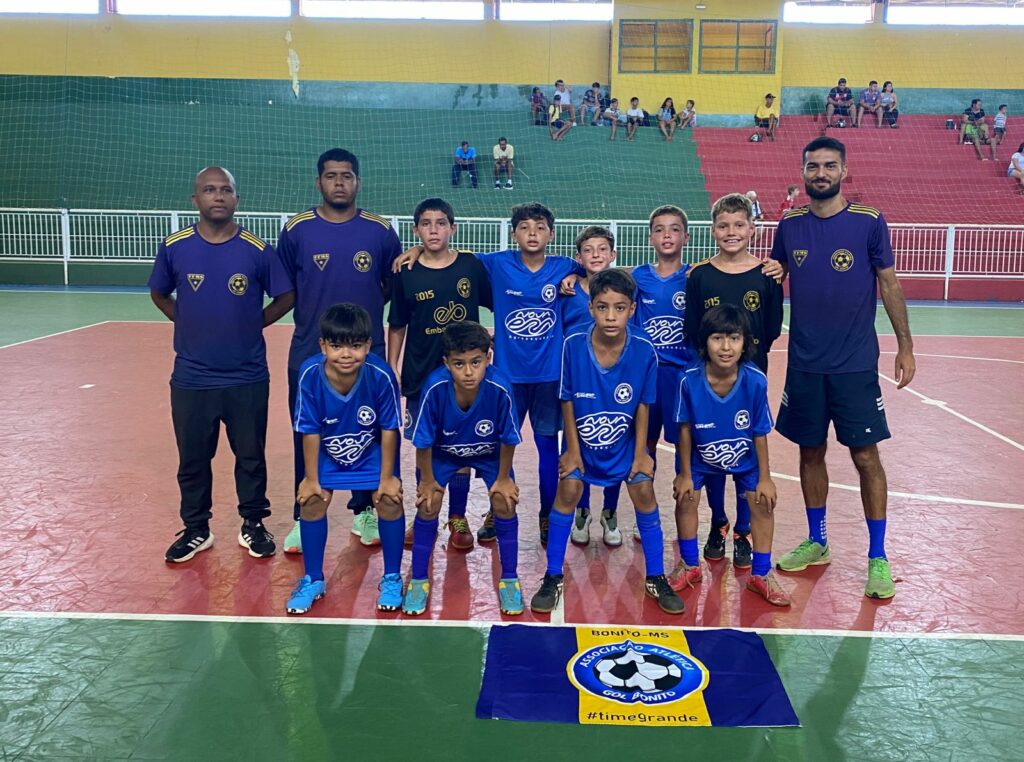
458 495
424 535
584 501
762 564
688 550
653 542
314 545
816 525
559 528
547 472
508 545
611 497
742 525
714 488
392 538
876 535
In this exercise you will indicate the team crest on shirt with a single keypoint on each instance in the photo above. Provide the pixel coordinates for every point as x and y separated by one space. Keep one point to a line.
238 284
362 261
530 323
463 287
366 416
725 453
665 330
484 428
679 300
602 429
449 312
474 450
799 255
623 393
407 420
742 420
842 260
320 260
195 280
346 449
752 301
548 293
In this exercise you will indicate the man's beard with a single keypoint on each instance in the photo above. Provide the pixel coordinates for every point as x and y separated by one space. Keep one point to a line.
822 194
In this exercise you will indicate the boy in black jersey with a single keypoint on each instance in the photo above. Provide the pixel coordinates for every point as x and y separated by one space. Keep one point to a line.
733 276
443 286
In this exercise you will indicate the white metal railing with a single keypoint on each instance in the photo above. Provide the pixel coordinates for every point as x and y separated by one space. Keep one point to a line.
104 235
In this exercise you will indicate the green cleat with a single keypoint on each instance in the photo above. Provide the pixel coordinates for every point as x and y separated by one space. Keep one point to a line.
364 526
880 583
293 542
805 554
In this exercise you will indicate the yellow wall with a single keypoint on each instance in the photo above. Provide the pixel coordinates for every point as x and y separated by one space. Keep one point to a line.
714 93
436 52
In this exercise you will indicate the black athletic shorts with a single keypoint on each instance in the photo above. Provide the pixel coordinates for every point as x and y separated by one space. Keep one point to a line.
852 402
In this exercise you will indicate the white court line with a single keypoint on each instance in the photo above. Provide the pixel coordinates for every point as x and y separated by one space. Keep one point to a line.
907 495
76 292
51 335
304 620
962 357
558 612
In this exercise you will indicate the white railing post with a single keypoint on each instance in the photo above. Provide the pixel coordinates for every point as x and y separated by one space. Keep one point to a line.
65 240
175 222
503 235
950 239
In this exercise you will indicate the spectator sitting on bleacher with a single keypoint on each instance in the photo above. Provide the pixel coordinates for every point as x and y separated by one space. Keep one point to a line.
465 161
556 125
688 116
766 116
840 100
755 207
667 118
1016 168
792 191
634 117
974 128
614 116
503 154
890 104
538 107
870 102
591 105
565 95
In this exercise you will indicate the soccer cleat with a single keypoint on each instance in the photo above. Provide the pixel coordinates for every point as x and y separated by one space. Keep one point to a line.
416 595
487 533
189 542
768 587
880 582
508 185
364 526
581 527
685 576
460 538
714 548
510 597
546 597
256 539
742 553
407 541
305 593
807 553
293 542
390 598
660 590
543 523
610 525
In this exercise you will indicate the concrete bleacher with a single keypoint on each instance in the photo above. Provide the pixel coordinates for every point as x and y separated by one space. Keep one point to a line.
913 174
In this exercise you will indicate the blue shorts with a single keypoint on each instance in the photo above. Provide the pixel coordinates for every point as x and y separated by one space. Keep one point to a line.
1009 171
852 402
637 478
663 411
412 412
745 481
541 401
446 468
354 482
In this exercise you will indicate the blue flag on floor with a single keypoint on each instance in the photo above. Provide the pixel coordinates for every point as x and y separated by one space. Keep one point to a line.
632 676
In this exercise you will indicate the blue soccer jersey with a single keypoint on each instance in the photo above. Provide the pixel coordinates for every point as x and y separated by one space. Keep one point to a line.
218 311
832 263
660 311
722 429
576 316
331 262
527 320
349 425
605 401
467 437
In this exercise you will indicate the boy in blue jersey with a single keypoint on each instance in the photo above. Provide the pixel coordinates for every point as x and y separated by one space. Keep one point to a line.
609 378
220 273
335 252
724 423
467 419
595 252
836 253
347 411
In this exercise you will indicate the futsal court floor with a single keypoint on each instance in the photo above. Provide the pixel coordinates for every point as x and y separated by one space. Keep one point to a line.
107 652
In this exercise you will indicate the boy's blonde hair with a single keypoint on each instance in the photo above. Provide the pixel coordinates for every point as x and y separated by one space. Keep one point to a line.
594 231
675 211
732 203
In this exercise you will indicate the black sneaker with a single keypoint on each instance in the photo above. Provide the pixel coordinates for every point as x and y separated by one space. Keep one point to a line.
543 522
546 598
659 589
189 542
742 553
714 548
487 533
254 536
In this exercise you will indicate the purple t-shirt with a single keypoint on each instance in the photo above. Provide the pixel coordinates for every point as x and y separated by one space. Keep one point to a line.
832 264
218 312
331 262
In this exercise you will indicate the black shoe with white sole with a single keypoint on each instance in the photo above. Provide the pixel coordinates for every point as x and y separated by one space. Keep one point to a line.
189 542
254 536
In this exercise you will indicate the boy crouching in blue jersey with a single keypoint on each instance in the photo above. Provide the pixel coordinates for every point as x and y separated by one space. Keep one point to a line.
609 378
467 419
724 423
346 409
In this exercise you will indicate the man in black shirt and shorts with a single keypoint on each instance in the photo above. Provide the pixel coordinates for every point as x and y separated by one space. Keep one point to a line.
444 285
